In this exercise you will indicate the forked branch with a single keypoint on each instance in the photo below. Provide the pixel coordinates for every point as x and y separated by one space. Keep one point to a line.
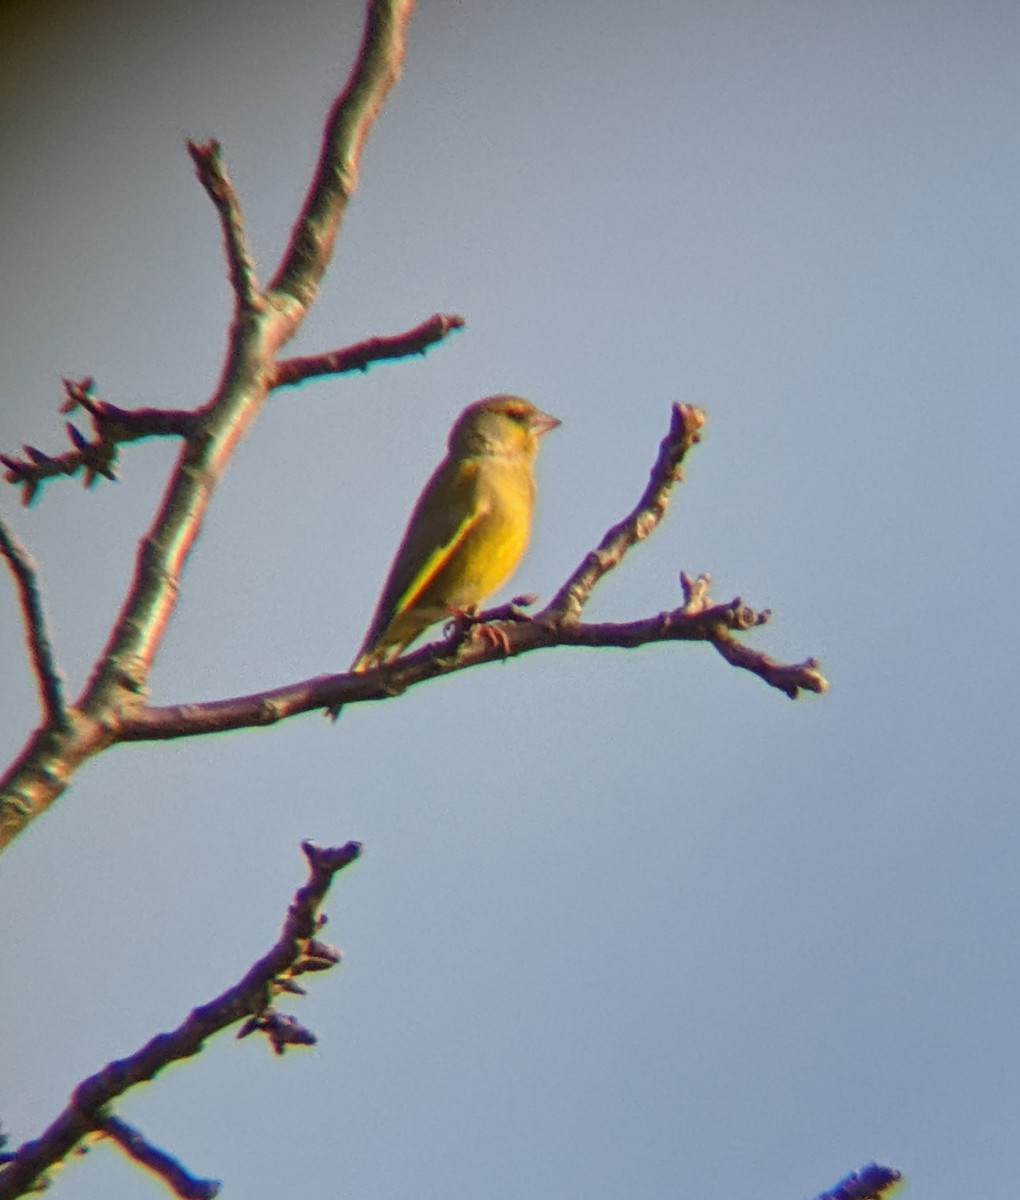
697 619
263 324
297 951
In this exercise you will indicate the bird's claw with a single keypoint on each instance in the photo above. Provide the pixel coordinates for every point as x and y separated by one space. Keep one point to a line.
465 624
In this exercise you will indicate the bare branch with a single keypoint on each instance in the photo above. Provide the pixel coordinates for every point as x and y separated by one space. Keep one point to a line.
376 69
137 1147
684 432
465 649
790 679
119 678
47 677
361 355
114 426
121 674
698 619
869 1183
98 456
212 175
296 951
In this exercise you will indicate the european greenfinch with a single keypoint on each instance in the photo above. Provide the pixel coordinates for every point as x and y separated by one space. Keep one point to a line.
469 529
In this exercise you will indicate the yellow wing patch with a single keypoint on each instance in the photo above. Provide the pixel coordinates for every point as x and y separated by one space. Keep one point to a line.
435 562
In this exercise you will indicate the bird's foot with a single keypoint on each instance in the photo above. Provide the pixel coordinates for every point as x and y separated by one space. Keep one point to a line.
467 623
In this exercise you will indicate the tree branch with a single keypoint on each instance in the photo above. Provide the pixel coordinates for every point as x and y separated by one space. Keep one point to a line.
121 674
112 426
119 677
698 619
361 355
336 177
173 1173
212 175
115 426
789 678
869 1183
684 432
515 637
295 952
47 676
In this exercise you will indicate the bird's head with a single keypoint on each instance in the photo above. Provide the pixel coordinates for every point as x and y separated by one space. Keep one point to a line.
503 425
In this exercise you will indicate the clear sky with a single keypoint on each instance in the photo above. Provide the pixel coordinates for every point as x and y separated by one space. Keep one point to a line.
627 924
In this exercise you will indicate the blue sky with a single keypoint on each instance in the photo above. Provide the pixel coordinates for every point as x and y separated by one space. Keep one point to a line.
627 923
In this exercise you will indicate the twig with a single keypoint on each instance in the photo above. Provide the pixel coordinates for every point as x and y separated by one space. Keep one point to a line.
296 951
113 426
869 1183
208 160
698 619
789 678
361 355
376 69
684 432
47 676
137 1147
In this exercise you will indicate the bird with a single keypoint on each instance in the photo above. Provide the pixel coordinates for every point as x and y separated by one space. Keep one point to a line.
468 530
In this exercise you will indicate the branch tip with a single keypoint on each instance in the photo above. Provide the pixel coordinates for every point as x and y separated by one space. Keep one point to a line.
173 1173
47 676
212 175
871 1182
360 355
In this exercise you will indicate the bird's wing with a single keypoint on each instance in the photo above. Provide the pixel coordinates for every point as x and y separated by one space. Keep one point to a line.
442 534
446 512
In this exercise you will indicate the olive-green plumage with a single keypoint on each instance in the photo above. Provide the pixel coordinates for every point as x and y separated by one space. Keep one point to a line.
469 529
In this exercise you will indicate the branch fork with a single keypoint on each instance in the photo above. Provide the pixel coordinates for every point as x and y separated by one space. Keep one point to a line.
296 951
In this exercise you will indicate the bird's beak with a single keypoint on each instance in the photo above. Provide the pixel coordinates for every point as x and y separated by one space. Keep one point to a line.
541 423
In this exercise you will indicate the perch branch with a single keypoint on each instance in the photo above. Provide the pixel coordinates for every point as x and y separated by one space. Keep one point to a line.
208 160
296 951
462 650
869 1183
362 354
47 677
698 619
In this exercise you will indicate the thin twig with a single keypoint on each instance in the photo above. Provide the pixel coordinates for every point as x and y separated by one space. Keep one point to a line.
96 456
47 676
790 678
361 355
869 1183
208 160
684 431
376 69
173 1173
292 953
